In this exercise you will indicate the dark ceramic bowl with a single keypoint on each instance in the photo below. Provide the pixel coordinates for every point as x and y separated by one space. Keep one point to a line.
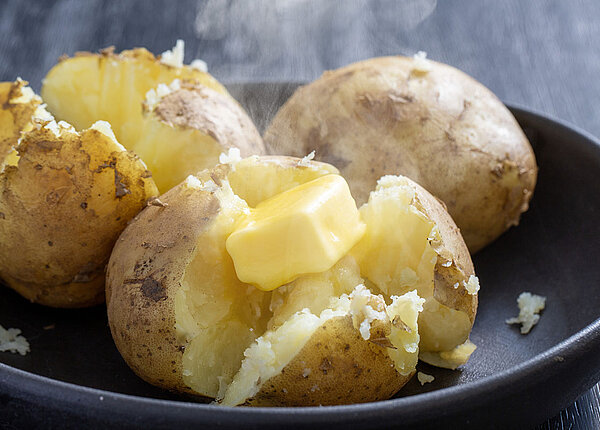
74 376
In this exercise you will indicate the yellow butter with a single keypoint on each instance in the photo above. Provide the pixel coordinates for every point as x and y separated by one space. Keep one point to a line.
306 229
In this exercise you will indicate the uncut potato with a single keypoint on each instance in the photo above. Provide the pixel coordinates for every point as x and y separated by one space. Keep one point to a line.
64 199
177 118
183 320
422 119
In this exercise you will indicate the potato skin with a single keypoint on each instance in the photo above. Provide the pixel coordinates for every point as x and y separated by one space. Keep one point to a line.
61 210
454 262
441 128
341 362
143 275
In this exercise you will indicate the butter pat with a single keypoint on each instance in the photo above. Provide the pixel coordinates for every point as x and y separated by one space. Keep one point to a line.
306 229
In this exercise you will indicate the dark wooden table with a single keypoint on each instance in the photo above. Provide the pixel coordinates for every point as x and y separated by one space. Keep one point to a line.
543 55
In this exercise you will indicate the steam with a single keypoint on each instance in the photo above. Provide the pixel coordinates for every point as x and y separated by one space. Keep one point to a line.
299 39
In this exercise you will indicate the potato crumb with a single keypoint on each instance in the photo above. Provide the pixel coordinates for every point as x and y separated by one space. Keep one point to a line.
192 182
199 65
306 159
53 127
424 378
232 156
530 306
174 57
26 96
421 63
41 114
362 311
12 341
210 186
472 285
65 126
105 128
306 372
154 96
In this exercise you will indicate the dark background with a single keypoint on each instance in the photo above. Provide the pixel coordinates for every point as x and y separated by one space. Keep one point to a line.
543 55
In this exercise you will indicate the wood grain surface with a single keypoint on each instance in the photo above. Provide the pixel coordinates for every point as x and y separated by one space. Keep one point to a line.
541 54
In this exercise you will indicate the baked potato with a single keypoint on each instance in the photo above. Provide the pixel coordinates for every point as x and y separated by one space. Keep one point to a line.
218 293
64 199
419 118
176 117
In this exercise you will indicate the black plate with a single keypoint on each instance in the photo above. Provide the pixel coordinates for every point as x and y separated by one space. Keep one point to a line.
74 374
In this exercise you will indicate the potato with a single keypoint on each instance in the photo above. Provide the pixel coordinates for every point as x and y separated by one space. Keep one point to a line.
183 320
177 118
64 199
419 118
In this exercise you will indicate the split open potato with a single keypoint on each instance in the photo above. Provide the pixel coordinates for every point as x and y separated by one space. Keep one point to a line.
65 196
419 118
259 282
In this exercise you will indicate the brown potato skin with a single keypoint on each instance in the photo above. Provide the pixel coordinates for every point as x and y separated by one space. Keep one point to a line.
214 114
61 210
144 273
341 362
441 128
451 248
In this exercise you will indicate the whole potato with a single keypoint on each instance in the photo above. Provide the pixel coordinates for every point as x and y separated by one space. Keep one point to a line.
183 320
422 119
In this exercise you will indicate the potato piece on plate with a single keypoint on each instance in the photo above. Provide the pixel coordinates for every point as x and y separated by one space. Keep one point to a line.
422 119
64 199
183 320
177 118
